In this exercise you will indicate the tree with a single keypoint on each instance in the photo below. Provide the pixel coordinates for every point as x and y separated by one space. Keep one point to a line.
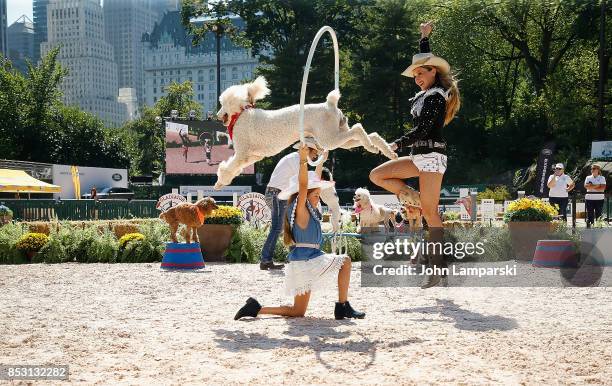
179 96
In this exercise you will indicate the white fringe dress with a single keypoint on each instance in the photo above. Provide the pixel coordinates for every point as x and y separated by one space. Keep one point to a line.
309 268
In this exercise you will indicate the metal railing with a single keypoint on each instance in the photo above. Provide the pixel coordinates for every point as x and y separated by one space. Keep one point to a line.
46 210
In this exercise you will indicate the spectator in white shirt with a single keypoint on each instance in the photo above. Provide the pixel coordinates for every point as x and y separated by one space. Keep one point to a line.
595 185
560 184
286 168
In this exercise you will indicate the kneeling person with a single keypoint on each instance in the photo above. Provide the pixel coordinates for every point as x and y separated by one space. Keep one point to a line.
309 268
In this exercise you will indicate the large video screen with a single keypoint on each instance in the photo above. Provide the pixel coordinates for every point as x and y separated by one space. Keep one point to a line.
197 147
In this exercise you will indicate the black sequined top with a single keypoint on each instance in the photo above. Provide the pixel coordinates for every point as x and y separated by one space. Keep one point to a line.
428 119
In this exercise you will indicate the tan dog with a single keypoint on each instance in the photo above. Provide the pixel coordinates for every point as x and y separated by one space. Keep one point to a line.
413 216
192 215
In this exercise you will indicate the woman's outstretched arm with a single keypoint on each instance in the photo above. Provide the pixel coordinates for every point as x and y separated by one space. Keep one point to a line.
301 213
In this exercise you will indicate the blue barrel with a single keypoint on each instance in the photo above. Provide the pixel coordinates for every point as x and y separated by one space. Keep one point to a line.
182 256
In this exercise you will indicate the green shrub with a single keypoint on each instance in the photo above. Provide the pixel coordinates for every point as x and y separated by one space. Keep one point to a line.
53 252
247 244
499 194
104 248
9 235
451 216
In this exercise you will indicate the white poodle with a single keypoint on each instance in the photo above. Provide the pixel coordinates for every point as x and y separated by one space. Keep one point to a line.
258 133
371 214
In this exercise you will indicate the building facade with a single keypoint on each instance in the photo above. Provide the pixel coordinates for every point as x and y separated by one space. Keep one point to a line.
168 56
126 21
21 43
77 26
3 29
39 14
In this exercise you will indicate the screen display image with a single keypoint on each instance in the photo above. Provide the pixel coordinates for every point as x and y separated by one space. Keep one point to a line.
197 147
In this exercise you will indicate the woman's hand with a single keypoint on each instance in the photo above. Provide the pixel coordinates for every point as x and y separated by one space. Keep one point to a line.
303 152
426 28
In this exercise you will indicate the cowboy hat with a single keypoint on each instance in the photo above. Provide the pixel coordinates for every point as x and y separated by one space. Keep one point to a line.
427 59
310 142
313 182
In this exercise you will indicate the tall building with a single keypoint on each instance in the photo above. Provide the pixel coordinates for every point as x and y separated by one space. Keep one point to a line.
39 14
126 21
77 26
168 55
163 6
21 43
3 25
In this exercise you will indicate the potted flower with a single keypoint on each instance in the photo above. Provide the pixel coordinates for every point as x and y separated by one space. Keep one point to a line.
529 220
216 233
31 243
6 215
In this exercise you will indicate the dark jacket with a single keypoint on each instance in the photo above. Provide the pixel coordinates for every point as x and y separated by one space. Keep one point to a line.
428 110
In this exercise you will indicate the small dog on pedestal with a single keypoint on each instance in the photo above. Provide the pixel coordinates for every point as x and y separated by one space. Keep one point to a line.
192 215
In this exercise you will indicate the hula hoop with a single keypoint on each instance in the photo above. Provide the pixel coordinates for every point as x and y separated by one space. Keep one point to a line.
313 47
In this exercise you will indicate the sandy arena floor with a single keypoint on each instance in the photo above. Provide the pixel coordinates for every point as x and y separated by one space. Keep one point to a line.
134 324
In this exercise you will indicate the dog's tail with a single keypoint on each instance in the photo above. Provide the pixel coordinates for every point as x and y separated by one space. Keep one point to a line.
333 97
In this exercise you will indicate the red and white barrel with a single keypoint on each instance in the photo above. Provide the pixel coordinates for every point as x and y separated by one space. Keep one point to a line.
555 254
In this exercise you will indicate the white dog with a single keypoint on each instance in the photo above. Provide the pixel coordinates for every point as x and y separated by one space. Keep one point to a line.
258 133
371 214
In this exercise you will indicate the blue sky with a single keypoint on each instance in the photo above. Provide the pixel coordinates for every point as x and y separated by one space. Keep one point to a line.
16 8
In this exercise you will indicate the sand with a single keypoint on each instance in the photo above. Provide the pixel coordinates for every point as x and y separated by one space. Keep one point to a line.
134 324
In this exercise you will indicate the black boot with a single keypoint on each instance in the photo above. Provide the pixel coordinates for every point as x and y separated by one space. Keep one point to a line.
251 308
269 265
435 258
344 310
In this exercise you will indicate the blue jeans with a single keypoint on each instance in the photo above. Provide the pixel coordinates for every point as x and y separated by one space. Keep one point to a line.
278 208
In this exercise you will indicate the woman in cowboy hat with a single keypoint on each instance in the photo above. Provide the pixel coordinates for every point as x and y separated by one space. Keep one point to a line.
309 268
432 108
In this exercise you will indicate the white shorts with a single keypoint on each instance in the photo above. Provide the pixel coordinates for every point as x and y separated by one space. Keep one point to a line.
430 162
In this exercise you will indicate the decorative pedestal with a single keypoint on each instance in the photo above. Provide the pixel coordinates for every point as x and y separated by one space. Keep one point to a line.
555 254
182 256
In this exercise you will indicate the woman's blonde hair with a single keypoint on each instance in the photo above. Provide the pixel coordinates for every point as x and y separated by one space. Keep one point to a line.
287 235
450 83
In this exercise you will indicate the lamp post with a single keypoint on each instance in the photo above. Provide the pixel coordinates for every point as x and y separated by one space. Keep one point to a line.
218 30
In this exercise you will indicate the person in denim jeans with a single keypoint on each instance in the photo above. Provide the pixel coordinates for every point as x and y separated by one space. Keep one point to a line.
286 168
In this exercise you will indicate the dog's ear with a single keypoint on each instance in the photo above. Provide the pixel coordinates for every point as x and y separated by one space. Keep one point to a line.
258 89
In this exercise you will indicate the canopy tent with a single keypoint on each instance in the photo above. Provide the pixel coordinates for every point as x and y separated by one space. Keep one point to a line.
18 181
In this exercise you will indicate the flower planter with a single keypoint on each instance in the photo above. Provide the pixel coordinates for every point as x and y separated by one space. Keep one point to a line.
214 240
30 255
525 236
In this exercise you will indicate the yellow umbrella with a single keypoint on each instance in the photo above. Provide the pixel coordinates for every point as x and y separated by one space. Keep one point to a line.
18 181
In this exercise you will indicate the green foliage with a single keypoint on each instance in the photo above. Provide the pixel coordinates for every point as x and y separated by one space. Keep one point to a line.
53 252
9 235
499 194
247 244
451 216
36 126
496 242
